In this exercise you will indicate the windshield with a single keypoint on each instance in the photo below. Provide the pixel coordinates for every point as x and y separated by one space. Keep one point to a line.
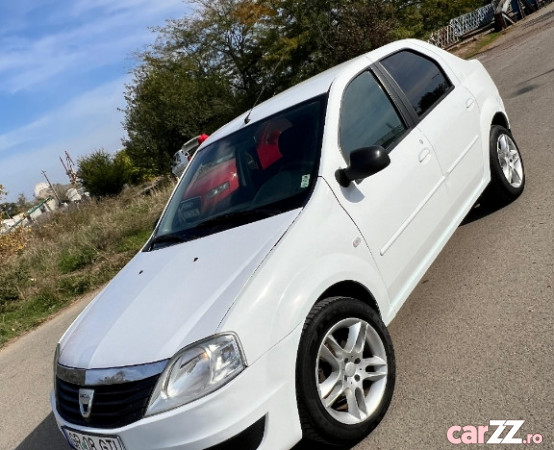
264 169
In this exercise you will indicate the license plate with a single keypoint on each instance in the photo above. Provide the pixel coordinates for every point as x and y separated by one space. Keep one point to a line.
85 441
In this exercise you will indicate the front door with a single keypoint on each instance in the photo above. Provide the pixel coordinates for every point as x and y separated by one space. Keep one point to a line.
401 211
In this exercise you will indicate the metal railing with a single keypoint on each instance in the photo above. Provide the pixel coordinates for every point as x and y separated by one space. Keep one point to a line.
463 25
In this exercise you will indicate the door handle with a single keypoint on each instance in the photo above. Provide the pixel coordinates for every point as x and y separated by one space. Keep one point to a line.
470 102
424 154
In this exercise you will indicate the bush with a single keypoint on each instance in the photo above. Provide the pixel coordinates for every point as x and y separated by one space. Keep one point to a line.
103 174
14 242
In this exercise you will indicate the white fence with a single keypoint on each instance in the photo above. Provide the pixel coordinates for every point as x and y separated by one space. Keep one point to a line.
460 26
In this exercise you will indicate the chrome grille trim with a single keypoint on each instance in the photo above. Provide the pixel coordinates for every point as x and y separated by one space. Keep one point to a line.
109 376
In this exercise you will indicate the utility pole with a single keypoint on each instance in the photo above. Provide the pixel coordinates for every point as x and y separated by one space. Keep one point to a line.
52 187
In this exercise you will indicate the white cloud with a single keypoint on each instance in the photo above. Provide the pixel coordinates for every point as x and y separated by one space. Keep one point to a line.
114 31
82 112
81 126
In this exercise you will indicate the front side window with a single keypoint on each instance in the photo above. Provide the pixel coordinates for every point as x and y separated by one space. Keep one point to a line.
368 117
264 169
421 79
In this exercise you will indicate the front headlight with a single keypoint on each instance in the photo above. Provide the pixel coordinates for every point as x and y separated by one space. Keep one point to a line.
196 371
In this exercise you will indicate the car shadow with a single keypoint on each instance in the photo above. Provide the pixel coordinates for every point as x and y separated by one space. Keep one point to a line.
307 445
482 208
45 435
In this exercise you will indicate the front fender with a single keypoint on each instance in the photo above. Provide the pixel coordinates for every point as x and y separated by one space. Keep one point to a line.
322 248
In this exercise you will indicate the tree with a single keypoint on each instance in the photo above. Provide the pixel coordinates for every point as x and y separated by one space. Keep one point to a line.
208 67
6 208
167 104
202 71
103 174
419 18
22 203
318 34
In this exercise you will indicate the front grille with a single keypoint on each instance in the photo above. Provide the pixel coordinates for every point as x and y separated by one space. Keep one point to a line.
113 406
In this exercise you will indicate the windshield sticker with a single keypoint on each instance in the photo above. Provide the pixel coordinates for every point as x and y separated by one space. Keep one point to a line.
305 181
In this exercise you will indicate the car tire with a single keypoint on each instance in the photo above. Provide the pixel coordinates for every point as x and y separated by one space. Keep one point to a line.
507 171
345 371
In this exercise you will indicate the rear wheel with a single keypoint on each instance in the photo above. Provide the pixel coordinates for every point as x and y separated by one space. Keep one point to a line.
345 371
507 172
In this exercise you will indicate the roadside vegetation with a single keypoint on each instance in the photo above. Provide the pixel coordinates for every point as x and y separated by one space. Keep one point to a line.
46 267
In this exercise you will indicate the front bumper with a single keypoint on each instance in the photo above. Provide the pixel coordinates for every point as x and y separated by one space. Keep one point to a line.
264 393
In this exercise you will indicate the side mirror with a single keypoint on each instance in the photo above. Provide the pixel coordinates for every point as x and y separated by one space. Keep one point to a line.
364 162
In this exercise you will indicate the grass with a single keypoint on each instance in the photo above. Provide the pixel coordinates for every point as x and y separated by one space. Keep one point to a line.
46 267
472 48
485 41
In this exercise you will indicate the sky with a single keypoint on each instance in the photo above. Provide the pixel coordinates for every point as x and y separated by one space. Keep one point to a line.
63 69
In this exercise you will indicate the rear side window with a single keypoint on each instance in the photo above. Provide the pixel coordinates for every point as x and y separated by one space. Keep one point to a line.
368 117
421 79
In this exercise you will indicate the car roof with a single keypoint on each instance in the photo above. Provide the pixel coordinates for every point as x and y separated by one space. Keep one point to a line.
313 87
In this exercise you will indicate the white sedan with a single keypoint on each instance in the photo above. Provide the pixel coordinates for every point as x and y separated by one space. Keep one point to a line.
256 313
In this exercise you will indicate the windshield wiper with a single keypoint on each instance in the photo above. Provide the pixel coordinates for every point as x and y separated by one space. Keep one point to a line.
167 239
246 216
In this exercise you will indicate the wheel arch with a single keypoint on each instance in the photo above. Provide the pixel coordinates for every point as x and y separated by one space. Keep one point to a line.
350 288
500 119
492 113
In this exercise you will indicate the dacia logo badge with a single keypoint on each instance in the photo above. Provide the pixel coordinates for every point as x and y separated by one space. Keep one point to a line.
85 402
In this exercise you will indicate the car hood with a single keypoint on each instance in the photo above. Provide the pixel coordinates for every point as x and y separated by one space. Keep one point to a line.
166 299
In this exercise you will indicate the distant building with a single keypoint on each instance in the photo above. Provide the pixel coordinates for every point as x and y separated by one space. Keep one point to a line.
73 195
25 219
42 190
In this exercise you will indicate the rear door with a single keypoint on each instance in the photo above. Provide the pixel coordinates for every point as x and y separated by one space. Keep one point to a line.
447 114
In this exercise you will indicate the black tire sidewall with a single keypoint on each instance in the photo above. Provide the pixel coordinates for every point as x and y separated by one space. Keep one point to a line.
317 423
499 183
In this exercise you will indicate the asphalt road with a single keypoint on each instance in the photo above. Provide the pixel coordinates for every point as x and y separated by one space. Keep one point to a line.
475 341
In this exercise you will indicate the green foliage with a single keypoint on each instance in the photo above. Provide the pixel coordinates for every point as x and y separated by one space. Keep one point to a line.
22 203
318 34
168 105
420 18
76 258
75 284
134 241
103 174
8 209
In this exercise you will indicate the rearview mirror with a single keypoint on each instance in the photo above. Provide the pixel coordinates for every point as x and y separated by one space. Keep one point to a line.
364 162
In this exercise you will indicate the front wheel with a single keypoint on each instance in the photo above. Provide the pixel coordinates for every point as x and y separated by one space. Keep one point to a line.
507 172
345 371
